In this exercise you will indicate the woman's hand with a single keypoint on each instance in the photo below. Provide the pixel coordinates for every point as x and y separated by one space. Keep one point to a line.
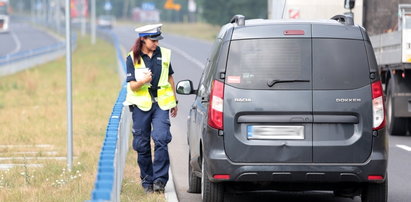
148 76
173 111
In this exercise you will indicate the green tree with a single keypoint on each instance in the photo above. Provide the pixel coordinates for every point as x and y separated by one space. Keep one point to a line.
219 12
123 8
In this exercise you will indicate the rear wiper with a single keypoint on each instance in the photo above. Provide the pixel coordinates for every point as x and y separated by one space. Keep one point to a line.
273 82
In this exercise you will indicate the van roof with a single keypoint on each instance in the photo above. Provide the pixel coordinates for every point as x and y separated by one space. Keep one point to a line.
262 28
253 22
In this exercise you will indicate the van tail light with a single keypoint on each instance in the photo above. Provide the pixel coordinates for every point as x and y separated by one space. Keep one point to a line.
378 111
215 108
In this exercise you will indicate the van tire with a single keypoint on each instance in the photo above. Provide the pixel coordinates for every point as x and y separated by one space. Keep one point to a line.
395 126
194 182
210 191
375 192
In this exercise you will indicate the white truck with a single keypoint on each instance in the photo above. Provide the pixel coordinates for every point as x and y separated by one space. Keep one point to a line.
4 16
393 54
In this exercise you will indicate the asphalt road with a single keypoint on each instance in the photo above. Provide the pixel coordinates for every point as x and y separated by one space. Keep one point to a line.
188 58
22 37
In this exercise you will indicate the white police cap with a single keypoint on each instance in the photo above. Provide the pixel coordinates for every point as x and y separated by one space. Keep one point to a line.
153 31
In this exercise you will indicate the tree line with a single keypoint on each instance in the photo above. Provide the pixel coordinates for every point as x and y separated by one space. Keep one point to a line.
217 12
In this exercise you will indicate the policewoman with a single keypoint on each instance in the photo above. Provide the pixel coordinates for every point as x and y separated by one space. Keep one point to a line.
152 99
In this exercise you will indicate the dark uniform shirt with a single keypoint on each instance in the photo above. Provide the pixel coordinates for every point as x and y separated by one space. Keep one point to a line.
154 64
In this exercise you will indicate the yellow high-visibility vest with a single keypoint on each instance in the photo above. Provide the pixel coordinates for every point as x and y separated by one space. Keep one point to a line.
165 94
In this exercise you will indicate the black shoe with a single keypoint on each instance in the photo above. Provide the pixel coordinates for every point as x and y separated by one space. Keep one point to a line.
158 186
148 189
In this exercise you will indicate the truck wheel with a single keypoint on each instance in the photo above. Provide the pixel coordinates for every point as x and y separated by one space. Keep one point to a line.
375 192
194 182
395 126
409 126
210 191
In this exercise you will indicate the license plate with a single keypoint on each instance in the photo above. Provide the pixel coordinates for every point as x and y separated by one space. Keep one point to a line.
275 132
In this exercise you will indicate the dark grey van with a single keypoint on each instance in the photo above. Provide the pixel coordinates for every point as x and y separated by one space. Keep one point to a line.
288 105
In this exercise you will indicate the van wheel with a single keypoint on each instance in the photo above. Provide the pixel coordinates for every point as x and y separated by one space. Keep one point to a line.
395 126
194 182
210 191
375 192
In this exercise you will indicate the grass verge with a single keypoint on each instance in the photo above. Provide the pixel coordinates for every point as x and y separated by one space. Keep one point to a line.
33 126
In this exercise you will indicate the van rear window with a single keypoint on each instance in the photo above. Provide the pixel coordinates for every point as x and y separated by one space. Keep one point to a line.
257 63
339 64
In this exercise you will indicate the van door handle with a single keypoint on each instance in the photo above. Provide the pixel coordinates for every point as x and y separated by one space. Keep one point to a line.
336 119
194 107
274 119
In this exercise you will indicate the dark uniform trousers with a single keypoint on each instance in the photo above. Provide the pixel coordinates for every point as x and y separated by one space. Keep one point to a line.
154 123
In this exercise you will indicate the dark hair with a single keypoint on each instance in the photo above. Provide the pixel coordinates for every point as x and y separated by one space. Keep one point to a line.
137 50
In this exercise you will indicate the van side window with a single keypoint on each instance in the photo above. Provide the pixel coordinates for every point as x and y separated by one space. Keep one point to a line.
211 66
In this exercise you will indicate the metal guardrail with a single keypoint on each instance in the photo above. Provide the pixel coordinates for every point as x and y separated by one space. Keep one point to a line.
10 58
21 60
113 153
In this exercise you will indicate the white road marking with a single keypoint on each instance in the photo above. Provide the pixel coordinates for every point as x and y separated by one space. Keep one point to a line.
184 54
25 146
17 41
170 191
8 166
179 51
405 147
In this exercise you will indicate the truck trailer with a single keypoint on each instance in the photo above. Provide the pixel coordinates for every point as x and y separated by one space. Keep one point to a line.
393 54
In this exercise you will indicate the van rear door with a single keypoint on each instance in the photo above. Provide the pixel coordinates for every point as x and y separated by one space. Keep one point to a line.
268 96
342 102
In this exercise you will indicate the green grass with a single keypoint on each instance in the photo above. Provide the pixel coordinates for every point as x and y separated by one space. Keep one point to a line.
33 111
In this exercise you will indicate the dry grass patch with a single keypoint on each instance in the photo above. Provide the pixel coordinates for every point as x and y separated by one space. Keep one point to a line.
33 112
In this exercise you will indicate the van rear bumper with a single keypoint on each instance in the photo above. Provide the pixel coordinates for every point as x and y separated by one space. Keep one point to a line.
219 164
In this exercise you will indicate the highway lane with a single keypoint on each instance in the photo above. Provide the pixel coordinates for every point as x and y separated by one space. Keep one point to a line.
7 44
22 37
187 60
399 169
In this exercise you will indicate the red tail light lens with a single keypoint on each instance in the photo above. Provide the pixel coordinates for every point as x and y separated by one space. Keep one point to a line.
221 177
375 177
376 89
215 109
377 106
